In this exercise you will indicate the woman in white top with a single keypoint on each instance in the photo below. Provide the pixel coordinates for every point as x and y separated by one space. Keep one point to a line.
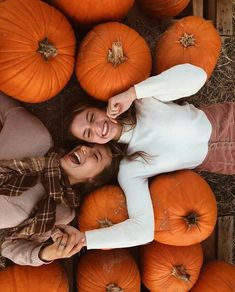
171 136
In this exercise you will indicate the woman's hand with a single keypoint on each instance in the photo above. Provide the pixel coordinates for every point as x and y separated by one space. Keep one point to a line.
119 103
65 246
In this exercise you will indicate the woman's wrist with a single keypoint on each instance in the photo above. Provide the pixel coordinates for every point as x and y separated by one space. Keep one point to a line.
42 256
132 93
84 239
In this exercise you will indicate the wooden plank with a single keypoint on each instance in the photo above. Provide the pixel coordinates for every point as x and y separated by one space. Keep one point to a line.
209 247
225 238
211 11
224 17
198 8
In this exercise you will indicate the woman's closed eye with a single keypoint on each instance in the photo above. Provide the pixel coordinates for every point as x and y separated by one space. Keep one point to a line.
87 134
98 156
92 117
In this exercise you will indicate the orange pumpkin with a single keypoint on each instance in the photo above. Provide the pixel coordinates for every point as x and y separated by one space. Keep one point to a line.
191 40
87 12
46 278
113 270
216 276
112 57
163 8
185 210
37 47
170 268
102 208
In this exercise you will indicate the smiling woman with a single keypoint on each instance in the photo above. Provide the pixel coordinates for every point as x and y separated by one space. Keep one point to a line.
85 163
93 125
39 193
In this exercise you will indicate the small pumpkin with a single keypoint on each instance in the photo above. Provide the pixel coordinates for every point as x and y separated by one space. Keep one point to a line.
37 48
170 268
102 208
191 40
185 210
110 271
216 276
111 58
87 12
46 278
163 8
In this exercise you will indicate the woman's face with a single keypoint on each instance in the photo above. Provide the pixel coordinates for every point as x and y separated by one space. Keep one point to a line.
84 163
93 125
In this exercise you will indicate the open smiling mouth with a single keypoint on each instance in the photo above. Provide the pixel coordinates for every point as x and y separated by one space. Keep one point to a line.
105 129
75 158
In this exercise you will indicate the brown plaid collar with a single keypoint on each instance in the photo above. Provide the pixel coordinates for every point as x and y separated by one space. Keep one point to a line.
17 176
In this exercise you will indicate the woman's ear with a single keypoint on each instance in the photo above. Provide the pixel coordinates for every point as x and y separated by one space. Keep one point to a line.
93 181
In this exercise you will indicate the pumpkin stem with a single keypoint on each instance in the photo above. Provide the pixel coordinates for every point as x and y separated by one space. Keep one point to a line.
113 288
46 49
105 223
187 40
191 219
180 273
116 55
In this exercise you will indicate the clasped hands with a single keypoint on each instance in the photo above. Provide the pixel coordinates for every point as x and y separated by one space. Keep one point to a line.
67 242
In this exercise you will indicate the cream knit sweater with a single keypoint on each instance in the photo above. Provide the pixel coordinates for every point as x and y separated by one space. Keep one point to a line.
176 137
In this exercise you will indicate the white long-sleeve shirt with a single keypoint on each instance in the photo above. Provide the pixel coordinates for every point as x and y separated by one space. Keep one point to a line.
175 137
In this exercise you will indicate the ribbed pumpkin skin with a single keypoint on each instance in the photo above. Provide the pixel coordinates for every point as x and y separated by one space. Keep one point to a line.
46 278
100 78
177 195
204 54
163 8
24 72
216 276
97 269
158 262
106 204
87 12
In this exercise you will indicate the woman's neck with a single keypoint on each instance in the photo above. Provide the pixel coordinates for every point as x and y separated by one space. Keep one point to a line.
119 132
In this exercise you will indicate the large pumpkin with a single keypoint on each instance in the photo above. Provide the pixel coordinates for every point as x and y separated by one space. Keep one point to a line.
37 47
87 12
216 276
185 209
112 57
163 8
46 278
102 208
110 271
170 268
191 40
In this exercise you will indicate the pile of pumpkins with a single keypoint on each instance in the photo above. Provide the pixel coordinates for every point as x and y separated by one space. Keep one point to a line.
38 46
185 213
37 58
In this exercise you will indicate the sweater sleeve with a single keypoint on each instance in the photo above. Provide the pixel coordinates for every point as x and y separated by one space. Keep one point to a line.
138 229
174 83
23 252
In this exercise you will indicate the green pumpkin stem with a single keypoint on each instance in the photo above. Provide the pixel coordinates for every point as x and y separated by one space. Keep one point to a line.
180 273
46 49
187 40
113 288
116 55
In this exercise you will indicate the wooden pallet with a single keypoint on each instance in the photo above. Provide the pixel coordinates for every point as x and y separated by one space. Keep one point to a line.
220 244
218 11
